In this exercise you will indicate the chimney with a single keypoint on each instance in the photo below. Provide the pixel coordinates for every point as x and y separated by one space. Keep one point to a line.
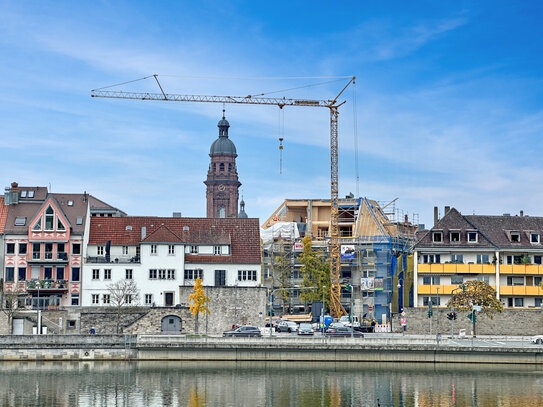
436 215
521 213
143 232
447 209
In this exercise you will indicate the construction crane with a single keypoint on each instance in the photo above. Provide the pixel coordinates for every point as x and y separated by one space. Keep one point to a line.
336 309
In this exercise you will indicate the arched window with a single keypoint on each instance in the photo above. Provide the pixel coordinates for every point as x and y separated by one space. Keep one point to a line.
221 167
222 212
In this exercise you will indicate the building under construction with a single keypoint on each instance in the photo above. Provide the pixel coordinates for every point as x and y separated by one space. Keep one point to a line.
375 249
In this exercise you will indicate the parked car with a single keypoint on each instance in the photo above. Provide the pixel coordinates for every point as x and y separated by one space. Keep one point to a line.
538 339
245 330
343 331
286 326
334 325
305 328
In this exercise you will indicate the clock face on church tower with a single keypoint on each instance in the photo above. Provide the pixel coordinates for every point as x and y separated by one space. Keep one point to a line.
221 187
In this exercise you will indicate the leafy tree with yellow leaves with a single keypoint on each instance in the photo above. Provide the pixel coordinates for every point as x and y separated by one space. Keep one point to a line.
198 302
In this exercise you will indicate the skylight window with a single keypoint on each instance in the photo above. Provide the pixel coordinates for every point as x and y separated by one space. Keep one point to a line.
23 194
70 203
20 221
31 194
79 220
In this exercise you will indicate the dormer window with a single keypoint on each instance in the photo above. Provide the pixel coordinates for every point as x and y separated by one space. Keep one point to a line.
49 218
437 237
455 236
534 238
515 237
20 221
472 237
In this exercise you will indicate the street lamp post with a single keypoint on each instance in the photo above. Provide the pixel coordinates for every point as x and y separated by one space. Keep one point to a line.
437 313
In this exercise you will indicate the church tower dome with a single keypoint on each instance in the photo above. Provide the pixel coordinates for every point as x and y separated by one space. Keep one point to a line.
222 177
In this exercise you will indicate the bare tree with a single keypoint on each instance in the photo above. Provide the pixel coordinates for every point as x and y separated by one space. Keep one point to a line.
124 295
9 304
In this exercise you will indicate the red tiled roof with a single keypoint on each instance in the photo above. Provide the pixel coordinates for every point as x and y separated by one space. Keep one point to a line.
162 235
243 235
3 214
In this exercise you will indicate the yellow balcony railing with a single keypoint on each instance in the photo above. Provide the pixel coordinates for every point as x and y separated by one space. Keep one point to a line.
521 269
452 268
443 289
521 290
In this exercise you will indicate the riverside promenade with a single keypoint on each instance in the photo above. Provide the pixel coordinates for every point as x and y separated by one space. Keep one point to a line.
372 348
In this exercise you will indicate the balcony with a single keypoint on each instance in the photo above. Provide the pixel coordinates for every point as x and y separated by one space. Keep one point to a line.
521 290
453 268
521 269
48 257
443 289
47 285
112 260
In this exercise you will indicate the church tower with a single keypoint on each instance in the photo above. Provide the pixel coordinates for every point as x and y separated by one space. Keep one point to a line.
222 177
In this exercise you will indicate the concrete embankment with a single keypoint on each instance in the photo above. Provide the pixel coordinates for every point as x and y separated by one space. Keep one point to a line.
156 347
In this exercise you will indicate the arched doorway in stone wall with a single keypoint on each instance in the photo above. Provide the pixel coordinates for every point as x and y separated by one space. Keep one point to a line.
171 324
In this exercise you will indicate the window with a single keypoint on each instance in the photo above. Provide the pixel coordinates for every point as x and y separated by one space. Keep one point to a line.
49 251
71 324
125 250
10 248
36 247
171 249
472 237
515 237
22 248
194 249
76 248
60 225
128 274
21 276
537 259
538 301
457 258
246 275
170 275
511 280
431 280
96 274
534 238
23 194
10 274
437 237
79 220
430 258
220 278
128 298
484 278
75 299
221 167
217 250
148 299
106 299
48 273
519 302
20 221
107 274
31 194
221 212
49 218
537 281
100 250
482 259
455 236
194 274
517 259
138 252
153 249
162 274
152 274
435 301
75 273
96 298
457 280
37 225
60 273
70 203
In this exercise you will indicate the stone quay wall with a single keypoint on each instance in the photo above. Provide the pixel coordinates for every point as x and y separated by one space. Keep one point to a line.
525 322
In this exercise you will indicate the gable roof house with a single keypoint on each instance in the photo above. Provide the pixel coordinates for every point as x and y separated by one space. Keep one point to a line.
163 253
505 251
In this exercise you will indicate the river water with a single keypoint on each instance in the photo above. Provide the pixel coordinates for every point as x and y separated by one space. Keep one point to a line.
194 384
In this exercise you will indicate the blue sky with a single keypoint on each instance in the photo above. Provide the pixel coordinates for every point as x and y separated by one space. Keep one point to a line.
449 101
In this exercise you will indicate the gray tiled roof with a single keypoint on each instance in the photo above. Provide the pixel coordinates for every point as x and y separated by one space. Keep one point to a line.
493 231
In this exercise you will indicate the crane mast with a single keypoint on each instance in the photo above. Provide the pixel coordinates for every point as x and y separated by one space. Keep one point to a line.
336 309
